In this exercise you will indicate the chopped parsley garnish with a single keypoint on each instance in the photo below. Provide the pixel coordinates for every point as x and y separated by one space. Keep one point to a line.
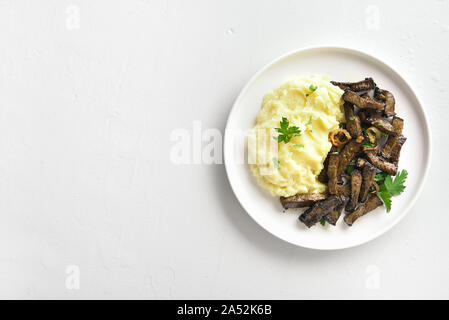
383 134
276 162
368 145
380 176
379 124
322 221
312 89
297 146
349 169
392 188
310 121
286 133
351 118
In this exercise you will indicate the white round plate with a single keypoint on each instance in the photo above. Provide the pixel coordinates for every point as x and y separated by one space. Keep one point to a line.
341 64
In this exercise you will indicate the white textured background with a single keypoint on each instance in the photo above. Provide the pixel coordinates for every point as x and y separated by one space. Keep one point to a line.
89 93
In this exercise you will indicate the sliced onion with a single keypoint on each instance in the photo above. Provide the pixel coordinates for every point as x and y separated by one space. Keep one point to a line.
339 137
373 134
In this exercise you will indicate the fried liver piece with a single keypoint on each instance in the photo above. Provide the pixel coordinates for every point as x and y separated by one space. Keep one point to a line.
343 190
363 85
367 113
301 200
323 177
369 172
356 183
372 203
387 97
353 124
398 125
333 216
360 162
381 164
332 170
382 124
362 103
365 96
347 154
395 153
320 209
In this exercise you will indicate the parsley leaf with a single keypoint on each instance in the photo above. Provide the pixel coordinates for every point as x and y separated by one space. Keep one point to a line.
297 146
351 118
383 134
286 132
386 199
322 221
284 123
392 188
396 186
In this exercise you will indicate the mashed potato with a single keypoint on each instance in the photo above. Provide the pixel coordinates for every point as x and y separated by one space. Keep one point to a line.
293 167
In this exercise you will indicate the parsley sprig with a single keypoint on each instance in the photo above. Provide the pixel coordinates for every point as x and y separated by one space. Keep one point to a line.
392 188
286 133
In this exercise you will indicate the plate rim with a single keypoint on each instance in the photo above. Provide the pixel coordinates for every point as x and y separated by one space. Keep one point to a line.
358 52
